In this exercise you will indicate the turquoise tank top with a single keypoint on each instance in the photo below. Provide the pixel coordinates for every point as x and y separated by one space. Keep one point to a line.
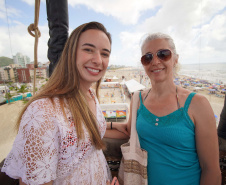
170 143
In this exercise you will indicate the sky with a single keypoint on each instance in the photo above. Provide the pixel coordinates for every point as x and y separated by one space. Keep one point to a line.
197 27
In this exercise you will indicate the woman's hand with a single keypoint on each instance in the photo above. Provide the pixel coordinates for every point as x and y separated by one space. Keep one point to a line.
122 127
114 182
116 130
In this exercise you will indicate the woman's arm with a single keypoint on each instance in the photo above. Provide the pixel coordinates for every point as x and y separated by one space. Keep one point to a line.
38 154
124 128
116 130
115 134
119 130
130 118
120 126
206 140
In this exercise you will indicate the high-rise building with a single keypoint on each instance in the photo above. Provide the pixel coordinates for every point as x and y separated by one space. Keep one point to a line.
21 60
2 75
11 73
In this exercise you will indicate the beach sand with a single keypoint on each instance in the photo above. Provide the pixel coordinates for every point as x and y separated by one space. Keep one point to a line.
216 103
8 117
9 112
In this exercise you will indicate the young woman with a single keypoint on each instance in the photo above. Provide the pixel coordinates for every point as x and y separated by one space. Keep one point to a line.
61 129
176 127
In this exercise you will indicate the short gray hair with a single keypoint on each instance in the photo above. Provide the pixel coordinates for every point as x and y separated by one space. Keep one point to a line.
154 36
159 35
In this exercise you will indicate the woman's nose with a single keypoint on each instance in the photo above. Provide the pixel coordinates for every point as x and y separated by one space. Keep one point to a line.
97 58
155 60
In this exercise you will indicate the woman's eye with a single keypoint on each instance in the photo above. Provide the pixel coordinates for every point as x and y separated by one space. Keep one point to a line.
105 54
88 50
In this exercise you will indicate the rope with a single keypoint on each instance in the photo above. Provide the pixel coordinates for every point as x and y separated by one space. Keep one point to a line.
34 28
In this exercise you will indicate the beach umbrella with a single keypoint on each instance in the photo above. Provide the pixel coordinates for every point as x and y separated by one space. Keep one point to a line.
203 87
115 78
177 83
212 90
216 117
197 88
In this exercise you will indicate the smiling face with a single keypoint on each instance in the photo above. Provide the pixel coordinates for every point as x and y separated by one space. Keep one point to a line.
158 70
93 53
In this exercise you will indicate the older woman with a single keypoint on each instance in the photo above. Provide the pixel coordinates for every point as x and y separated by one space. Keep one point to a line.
177 127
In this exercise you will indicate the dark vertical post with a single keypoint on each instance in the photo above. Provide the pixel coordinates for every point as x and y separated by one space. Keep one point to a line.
222 128
57 16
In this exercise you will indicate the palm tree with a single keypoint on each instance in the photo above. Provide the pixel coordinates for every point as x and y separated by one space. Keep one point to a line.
8 96
23 89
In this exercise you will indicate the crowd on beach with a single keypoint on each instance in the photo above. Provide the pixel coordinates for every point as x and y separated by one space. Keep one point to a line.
214 92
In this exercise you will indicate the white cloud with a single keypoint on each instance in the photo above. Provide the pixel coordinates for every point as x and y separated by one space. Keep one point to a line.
2 10
23 42
197 27
126 11
187 22
131 49
16 38
128 52
7 10
31 2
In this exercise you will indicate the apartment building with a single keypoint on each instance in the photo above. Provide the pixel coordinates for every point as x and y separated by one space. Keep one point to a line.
23 75
21 60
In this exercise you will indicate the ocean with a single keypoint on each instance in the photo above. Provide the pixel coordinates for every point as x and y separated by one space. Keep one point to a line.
213 72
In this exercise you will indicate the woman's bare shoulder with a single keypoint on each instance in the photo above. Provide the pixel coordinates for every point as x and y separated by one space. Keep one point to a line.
183 92
182 95
200 100
199 103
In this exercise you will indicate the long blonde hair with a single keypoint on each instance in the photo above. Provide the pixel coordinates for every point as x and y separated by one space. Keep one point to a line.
64 84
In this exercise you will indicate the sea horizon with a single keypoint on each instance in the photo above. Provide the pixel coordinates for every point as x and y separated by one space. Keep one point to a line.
213 72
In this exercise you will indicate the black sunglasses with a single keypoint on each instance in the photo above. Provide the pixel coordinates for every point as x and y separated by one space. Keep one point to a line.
162 54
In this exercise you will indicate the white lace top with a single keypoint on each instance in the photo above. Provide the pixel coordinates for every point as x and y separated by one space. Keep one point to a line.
46 148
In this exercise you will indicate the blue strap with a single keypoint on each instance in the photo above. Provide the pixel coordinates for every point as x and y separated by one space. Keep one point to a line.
141 101
188 101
